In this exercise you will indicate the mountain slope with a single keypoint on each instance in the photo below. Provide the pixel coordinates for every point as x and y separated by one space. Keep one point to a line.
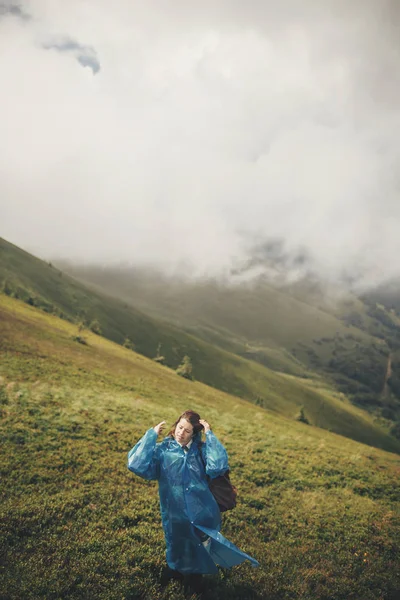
41 284
254 311
299 326
277 392
319 511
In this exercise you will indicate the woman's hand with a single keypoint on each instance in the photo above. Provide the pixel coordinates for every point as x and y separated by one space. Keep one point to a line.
205 425
158 428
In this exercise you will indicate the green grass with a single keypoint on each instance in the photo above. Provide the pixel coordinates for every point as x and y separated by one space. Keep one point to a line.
319 511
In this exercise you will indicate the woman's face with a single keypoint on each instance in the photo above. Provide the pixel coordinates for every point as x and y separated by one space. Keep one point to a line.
183 432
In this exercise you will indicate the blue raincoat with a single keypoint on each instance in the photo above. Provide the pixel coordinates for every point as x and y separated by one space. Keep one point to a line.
189 511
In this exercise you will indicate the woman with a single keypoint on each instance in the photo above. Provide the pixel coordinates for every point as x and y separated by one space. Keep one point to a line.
190 515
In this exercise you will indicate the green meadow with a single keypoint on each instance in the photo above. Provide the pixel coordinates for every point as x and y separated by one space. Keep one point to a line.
319 511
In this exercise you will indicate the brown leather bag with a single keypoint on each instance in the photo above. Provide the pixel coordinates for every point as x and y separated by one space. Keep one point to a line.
224 492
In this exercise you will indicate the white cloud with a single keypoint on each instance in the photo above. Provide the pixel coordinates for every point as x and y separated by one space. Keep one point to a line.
206 120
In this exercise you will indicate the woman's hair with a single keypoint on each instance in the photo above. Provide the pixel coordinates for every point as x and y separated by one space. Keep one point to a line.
194 420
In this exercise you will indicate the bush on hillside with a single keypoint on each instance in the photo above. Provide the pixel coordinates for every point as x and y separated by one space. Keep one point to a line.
7 288
26 296
128 344
95 327
36 301
301 416
81 340
185 368
159 357
81 326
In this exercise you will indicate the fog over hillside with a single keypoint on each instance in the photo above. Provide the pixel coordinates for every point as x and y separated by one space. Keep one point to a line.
193 135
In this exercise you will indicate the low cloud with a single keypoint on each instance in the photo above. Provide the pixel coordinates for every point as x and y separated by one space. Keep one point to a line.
211 130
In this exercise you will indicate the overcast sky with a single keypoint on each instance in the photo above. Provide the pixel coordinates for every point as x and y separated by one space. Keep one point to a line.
170 130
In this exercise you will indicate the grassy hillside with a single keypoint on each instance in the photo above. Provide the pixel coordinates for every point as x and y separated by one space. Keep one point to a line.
306 325
278 392
40 284
319 511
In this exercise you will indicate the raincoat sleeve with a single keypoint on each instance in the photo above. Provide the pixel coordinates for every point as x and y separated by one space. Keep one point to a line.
214 456
144 458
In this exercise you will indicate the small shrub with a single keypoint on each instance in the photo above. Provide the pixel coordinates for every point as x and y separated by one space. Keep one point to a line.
80 339
128 344
158 357
7 289
95 327
81 326
185 368
301 416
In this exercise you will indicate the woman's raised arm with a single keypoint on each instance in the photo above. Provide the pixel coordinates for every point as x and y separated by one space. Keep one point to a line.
214 454
144 459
